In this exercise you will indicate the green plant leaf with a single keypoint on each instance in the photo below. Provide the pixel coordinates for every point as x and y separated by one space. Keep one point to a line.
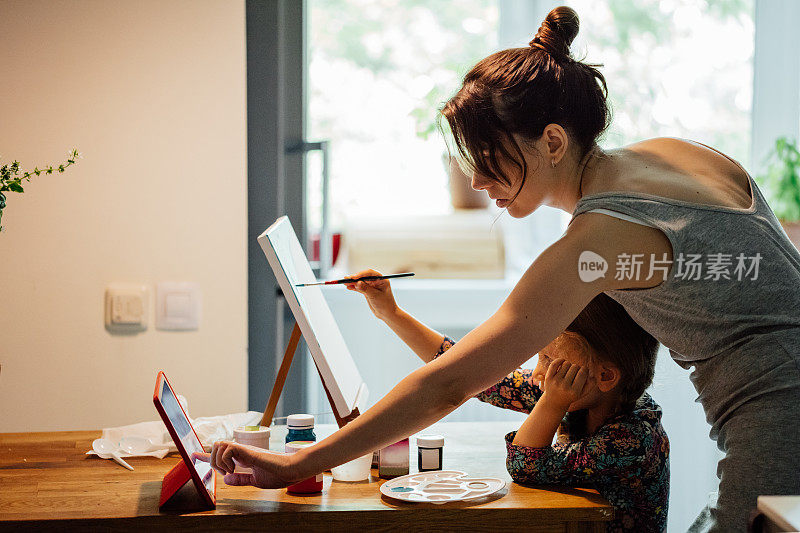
781 182
14 184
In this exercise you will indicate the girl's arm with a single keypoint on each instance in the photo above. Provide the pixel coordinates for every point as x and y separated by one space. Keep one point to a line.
423 340
420 338
618 450
542 304
516 391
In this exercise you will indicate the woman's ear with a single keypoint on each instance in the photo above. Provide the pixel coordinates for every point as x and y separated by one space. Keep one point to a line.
608 377
556 141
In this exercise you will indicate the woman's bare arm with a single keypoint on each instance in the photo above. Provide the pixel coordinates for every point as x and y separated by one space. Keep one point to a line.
545 300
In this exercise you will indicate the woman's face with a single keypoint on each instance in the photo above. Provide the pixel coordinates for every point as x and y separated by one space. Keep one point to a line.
530 197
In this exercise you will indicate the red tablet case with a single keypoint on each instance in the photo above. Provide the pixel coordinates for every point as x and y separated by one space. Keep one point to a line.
181 473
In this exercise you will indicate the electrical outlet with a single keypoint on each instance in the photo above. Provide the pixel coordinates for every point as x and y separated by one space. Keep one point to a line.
126 307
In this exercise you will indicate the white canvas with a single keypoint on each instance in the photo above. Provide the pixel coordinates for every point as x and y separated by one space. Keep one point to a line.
311 311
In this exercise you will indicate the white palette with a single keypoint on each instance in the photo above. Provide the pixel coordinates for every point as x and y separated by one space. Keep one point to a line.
441 486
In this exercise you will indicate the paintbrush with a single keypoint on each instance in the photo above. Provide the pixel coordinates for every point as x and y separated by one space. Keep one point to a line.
355 280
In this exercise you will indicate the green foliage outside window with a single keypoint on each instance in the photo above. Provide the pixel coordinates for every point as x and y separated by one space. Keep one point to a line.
781 183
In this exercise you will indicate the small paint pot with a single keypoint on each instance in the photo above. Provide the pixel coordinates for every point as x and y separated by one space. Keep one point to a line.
429 452
307 486
393 460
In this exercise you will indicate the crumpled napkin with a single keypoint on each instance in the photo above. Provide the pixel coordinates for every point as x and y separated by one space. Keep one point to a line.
209 429
158 454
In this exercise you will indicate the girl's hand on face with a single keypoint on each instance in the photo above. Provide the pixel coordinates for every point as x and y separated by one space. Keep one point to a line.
271 470
565 383
377 292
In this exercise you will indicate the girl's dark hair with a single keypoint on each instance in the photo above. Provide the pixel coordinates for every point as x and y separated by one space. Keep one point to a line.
611 335
522 90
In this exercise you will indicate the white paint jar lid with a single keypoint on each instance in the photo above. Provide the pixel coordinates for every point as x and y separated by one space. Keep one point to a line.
250 435
430 441
300 421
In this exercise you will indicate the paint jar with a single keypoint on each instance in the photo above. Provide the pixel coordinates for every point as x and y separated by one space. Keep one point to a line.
429 452
394 460
307 486
257 436
301 427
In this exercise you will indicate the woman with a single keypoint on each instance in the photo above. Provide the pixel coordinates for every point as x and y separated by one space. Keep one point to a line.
692 250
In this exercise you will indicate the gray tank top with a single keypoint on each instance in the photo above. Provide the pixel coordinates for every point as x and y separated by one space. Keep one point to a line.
730 306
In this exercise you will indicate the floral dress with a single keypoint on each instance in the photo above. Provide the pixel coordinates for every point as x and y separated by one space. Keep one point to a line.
626 459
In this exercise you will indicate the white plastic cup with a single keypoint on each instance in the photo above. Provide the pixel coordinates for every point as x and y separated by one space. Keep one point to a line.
355 470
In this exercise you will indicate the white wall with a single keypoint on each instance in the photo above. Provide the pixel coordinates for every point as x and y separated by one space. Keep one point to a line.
153 94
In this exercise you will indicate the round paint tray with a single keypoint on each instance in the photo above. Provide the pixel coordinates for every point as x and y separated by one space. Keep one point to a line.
440 486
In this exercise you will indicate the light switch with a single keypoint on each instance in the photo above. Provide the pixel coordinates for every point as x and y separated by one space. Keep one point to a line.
178 305
126 307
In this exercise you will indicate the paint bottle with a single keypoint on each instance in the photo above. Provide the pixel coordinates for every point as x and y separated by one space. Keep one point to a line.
301 427
307 486
393 460
429 452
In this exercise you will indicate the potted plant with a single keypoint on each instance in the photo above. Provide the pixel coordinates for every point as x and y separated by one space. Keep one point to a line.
11 179
781 184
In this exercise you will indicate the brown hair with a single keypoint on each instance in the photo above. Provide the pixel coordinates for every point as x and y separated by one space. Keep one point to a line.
606 332
522 90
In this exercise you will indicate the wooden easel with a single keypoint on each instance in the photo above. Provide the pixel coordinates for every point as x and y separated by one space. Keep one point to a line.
280 380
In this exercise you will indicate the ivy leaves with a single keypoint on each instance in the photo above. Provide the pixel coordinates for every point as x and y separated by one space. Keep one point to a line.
11 179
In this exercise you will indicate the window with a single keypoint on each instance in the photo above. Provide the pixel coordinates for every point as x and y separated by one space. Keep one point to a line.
681 68
380 69
378 72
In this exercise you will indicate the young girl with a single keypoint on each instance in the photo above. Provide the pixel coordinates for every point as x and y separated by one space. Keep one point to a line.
588 385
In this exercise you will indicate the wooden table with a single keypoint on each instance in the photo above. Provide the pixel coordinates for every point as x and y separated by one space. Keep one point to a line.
47 480
777 513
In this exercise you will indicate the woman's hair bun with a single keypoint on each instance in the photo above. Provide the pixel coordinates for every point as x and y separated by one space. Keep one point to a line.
557 32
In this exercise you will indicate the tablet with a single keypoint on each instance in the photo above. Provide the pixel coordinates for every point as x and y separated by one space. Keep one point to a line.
187 442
